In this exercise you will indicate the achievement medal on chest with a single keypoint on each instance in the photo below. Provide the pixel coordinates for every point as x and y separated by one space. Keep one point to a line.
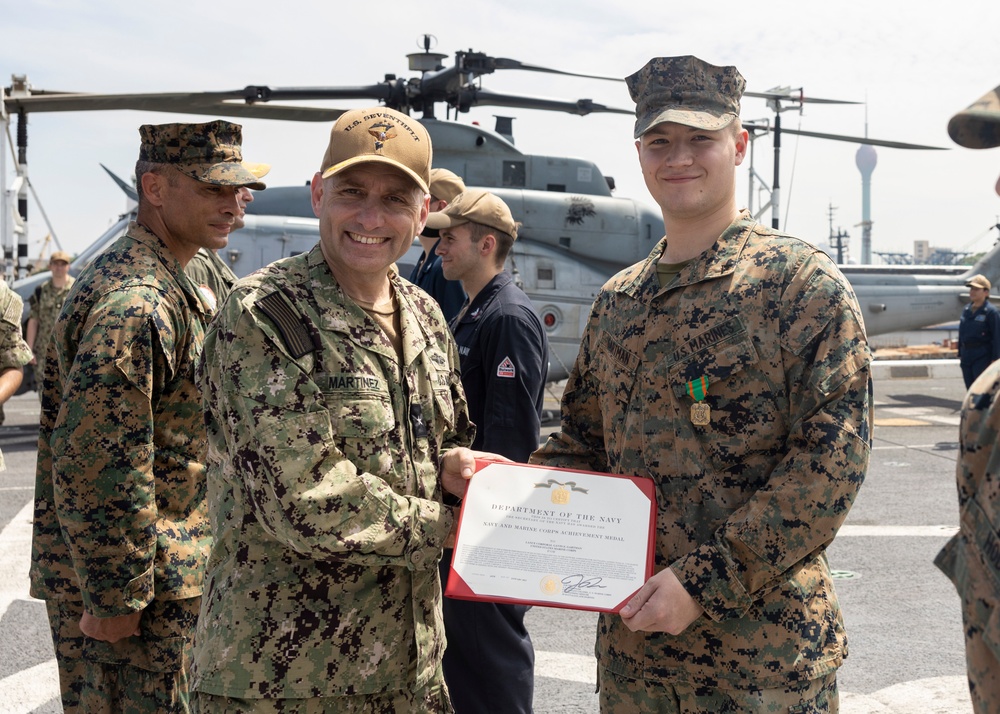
701 413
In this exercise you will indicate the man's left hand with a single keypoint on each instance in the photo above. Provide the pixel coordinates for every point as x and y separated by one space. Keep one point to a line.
661 605
458 465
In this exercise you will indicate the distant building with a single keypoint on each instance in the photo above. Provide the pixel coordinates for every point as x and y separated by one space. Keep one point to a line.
921 251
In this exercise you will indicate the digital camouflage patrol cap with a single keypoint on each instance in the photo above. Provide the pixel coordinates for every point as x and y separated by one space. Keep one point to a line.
379 135
445 185
978 126
685 90
208 152
475 206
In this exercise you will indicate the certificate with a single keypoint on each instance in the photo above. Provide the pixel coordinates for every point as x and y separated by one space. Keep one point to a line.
553 537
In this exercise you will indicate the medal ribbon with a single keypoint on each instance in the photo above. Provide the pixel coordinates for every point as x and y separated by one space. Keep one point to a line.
698 388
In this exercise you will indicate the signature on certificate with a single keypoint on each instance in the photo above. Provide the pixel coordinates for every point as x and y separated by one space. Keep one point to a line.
579 582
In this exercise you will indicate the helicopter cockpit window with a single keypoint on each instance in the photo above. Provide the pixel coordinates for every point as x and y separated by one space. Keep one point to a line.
514 173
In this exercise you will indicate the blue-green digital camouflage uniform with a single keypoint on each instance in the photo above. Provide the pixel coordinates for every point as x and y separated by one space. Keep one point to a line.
14 351
971 559
748 502
211 275
120 522
44 306
324 494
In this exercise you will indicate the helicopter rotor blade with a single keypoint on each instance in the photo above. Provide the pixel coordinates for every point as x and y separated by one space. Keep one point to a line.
849 139
798 96
470 97
506 63
207 103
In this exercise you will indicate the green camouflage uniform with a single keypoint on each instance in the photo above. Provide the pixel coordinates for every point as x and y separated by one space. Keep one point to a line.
747 503
972 558
211 276
14 351
323 490
120 522
44 305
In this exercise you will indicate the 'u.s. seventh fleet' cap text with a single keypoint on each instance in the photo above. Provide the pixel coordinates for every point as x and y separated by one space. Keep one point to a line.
382 135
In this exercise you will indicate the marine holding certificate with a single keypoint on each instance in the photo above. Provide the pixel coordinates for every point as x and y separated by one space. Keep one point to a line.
731 366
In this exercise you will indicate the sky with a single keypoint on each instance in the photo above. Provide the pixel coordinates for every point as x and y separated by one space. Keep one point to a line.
915 63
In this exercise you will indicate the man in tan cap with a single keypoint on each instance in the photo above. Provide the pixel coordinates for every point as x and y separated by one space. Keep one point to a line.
731 367
489 662
971 559
427 274
121 533
44 306
978 331
332 393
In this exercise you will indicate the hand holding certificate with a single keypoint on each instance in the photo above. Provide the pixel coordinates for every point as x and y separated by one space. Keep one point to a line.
553 537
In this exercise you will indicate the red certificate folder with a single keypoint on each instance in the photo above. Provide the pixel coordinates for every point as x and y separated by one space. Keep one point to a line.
537 535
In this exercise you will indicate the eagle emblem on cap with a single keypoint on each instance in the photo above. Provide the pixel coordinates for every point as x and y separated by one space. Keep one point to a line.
382 133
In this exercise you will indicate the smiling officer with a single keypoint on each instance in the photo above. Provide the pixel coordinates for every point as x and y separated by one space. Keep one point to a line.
332 391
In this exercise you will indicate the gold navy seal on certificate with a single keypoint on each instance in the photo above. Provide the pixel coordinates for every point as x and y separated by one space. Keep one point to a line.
553 537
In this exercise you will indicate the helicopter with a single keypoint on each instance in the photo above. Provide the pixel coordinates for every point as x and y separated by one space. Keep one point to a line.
575 232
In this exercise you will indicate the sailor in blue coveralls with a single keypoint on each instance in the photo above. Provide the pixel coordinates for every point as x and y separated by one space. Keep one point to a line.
489 661
978 331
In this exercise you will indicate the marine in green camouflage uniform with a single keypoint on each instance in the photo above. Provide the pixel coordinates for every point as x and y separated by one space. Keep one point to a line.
120 536
14 351
328 411
731 367
972 558
44 306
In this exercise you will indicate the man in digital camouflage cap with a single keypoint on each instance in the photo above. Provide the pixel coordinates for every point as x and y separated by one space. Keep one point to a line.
971 559
121 533
332 393
731 367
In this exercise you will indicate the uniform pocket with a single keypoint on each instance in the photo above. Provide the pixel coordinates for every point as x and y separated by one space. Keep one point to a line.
362 425
742 405
164 654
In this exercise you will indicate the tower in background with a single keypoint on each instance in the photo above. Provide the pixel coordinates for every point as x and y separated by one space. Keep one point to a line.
866 158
